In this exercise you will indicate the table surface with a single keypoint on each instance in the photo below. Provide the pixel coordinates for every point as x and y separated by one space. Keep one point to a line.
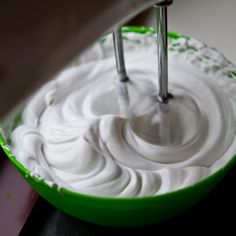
16 198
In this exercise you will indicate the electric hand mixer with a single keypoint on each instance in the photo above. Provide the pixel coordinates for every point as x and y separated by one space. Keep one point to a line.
105 210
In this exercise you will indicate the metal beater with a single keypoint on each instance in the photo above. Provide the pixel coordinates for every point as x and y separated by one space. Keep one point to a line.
162 53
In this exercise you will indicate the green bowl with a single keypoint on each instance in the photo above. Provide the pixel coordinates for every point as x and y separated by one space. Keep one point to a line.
121 212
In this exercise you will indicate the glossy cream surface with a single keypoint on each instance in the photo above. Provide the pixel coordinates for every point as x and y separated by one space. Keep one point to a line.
92 134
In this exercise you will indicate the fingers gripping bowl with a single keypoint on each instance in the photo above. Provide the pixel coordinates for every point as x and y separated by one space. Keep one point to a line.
194 173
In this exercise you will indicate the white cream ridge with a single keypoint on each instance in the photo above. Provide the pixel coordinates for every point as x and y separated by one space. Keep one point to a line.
87 132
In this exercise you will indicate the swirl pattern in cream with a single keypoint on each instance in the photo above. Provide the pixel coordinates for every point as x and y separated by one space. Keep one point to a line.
89 133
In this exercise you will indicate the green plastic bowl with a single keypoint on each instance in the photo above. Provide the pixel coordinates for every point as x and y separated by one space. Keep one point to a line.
119 212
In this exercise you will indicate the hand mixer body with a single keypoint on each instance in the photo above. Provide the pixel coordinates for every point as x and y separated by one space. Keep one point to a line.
40 38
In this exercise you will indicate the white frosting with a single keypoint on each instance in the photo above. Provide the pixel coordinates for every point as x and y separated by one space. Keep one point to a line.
89 133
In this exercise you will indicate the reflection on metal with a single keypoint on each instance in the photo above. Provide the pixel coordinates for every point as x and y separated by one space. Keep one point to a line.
119 54
162 50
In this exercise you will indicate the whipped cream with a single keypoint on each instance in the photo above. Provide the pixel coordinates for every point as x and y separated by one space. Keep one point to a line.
89 133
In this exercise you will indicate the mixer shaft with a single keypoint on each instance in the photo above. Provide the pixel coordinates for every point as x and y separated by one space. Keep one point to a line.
162 51
119 54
